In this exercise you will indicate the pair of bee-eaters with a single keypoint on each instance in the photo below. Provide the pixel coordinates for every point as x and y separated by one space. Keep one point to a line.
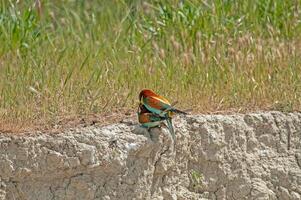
154 110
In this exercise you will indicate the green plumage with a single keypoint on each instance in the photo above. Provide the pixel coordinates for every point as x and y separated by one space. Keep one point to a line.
170 127
158 109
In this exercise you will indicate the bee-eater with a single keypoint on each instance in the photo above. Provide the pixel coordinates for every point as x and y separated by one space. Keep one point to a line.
148 119
157 104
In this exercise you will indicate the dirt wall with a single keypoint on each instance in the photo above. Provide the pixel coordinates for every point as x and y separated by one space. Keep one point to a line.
252 156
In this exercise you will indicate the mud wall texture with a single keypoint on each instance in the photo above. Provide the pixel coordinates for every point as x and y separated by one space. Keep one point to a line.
252 156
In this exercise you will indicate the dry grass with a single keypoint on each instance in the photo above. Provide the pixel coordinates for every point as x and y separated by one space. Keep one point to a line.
80 59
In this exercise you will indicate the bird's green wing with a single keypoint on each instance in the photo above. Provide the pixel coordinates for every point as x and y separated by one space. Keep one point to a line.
154 105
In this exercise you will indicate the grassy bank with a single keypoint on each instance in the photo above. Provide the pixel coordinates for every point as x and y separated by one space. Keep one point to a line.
87 57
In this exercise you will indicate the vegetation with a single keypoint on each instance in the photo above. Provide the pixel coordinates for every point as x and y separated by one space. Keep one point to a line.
196 180
77 57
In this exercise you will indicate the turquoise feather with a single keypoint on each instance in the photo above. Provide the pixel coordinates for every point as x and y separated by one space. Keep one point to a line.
170 127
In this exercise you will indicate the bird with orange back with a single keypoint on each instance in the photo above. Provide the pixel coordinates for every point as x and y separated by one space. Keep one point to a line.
159 106
148 119
156 103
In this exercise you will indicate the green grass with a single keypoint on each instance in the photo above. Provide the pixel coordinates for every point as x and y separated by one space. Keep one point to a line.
85 57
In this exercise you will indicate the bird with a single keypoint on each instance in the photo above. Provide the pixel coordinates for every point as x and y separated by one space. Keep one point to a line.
148 119
159 106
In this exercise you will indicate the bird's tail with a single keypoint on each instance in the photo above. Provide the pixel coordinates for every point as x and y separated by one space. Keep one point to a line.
184 112
179 111
170 127
171 111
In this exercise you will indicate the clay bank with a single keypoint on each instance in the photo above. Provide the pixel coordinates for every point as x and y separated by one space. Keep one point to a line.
250 156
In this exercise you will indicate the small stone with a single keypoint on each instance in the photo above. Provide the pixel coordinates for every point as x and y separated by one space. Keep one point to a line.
295 196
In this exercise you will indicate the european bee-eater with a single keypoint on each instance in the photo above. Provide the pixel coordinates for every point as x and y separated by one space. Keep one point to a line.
156 103
160 106
148 119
